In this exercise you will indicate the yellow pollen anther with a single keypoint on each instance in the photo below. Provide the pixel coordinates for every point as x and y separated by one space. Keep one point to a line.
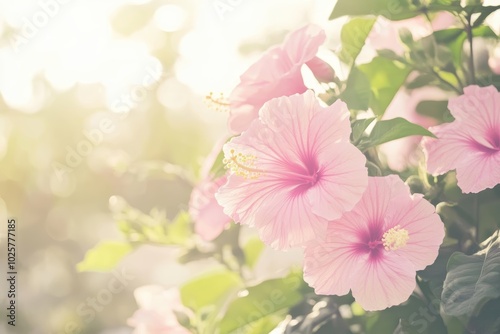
242 165
395 238
217 103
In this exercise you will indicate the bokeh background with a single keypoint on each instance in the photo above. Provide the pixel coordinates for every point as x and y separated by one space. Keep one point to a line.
144 67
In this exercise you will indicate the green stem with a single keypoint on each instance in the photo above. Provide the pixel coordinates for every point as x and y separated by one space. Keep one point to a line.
468 30
476 217
424 289
446 83
460 83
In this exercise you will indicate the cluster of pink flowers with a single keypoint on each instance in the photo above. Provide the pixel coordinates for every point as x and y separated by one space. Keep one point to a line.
293 174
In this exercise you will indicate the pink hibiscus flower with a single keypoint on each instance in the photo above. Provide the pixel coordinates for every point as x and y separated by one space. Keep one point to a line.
208 216
156 314
277 73
471 143
376 249
293 170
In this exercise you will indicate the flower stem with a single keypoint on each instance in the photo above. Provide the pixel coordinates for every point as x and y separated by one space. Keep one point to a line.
468 30
446 83
476 217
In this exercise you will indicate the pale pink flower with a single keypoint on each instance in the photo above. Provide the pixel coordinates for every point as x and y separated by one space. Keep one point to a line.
403 153
376 249
277 73
156 311
293 170
208 216
471 143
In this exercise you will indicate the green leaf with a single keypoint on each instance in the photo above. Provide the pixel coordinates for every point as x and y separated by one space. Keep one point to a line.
252 249
412 317
385 78
359 127
263 325
373 169
385 131
263 300
435 109
218 169
389 54
210 289
488 320
353 36
179 230
421 81
357 92
454 39
485 12
472 280
393 10
104 257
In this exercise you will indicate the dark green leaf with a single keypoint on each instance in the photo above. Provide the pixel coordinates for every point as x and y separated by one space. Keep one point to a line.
472 280
454 39
381 322
406 36
358 128
485 12
478 8
412 317
488 321
373 169
385 78
435 109
386 131
357 92
447 35
353 36
421 81
263 300
389 54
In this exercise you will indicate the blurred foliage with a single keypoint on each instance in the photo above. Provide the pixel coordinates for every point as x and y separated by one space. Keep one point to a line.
147 177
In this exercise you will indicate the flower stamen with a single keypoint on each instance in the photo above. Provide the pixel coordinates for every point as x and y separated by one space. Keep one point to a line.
217 103
395 238
243 165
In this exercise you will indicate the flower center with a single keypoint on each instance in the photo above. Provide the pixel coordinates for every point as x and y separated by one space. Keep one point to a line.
395 238
242 165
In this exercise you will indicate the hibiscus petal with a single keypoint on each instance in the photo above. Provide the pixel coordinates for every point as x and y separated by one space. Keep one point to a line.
287 223
482 171
344 173
329 266
448 151
277 73
209 217
383 283
425 228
